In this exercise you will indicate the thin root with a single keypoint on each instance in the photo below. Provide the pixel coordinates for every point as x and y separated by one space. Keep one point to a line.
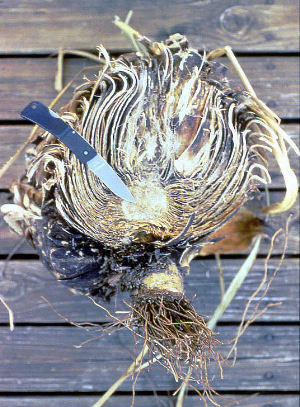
255 313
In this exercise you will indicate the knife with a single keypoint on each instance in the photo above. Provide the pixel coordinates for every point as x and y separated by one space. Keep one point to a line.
41 115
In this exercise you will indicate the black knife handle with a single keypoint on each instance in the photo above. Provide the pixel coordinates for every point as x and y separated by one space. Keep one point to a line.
77 144
44 117
40 114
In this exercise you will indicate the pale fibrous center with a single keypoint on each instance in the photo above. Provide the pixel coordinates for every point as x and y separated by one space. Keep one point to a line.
150 202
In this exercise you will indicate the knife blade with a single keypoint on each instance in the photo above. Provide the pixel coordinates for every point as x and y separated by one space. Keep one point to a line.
41 115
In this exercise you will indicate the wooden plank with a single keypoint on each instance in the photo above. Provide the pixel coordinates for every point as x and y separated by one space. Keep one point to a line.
8 238
44 359
25 282
147 401
275 79
262 26
12 137
27 79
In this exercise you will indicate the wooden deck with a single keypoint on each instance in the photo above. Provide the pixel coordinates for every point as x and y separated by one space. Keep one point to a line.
41 364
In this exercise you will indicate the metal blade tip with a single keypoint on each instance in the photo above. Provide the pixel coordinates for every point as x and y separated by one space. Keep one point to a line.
127 196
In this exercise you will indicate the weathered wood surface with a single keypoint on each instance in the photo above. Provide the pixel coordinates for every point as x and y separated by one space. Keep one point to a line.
147 401
45 359
275 80
8 238
263 25
37 359
25 282
12 137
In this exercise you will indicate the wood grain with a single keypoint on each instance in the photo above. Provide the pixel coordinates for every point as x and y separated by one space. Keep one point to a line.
44 359
25 282
146 401
12 137
262 25
8 238
41 361
275 80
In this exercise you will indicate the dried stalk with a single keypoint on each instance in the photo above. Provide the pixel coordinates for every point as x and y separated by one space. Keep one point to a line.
58 83
10 314
221 278
129 372
235 284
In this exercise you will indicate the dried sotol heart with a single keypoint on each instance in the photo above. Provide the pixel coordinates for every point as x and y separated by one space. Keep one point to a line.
191 151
